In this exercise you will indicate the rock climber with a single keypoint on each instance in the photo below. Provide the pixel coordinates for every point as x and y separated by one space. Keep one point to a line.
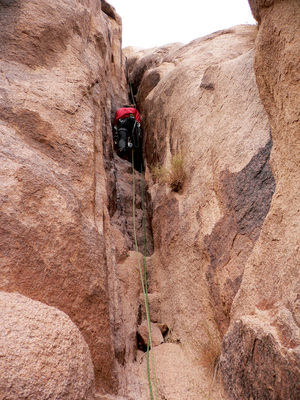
127 133
127 129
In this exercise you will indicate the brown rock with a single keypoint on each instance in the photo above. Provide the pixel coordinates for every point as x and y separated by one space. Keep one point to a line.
122 217
277 252
226 249
260 7
247 197
61 72
230 184
156 335
265 312
261 365
125 288
206 106
42 353
154 301
176 378
141 60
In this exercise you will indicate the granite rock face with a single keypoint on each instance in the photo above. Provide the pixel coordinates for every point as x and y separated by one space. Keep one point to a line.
62 78
201 101
222 253
265 328
43 354
260 357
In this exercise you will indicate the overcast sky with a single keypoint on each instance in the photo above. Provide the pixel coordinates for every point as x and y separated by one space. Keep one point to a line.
149 23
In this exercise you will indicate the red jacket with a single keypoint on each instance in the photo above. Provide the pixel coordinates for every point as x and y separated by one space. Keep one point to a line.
125 112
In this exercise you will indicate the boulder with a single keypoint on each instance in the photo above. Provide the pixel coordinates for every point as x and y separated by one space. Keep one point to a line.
261 7
141 60
154 301
42 353
156 335
261 357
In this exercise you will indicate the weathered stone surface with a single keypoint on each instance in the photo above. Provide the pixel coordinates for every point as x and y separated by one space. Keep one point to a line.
177 378
141 60
266 308
247 197
122 215
156 335
125 285
213 133
154 301
226 249
279 90
260 7
62 78
262 360
42 353
205 105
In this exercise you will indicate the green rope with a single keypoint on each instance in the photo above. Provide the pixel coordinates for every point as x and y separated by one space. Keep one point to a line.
144 284
131 93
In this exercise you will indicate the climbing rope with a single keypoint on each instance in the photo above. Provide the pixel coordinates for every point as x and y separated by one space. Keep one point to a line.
135 136
143 275
131 93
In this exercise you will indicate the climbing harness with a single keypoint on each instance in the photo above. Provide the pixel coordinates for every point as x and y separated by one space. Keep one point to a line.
144 282
134 137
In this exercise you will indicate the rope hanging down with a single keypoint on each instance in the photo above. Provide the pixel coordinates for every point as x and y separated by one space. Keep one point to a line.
131 93
144 281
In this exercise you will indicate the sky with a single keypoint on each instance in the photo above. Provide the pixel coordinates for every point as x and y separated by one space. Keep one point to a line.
150 23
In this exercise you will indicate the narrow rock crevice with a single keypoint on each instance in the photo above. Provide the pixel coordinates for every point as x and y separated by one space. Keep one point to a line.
122 217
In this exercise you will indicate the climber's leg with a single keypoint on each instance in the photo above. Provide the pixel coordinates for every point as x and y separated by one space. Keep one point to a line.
122 143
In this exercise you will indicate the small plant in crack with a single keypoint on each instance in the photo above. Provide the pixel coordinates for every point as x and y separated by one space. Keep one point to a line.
174 176
210 354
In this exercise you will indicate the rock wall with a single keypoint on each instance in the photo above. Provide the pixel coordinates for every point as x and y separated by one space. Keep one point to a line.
201 100
62 77
261 354
223 262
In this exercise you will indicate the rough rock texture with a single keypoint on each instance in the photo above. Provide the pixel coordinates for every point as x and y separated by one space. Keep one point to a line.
122 216
177 378
223 265
140 61
156 335
42 353
202 101
62 78
260 359
126 288
264 338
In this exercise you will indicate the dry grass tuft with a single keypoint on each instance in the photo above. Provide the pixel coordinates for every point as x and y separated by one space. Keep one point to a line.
210 355
174 176
159 173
